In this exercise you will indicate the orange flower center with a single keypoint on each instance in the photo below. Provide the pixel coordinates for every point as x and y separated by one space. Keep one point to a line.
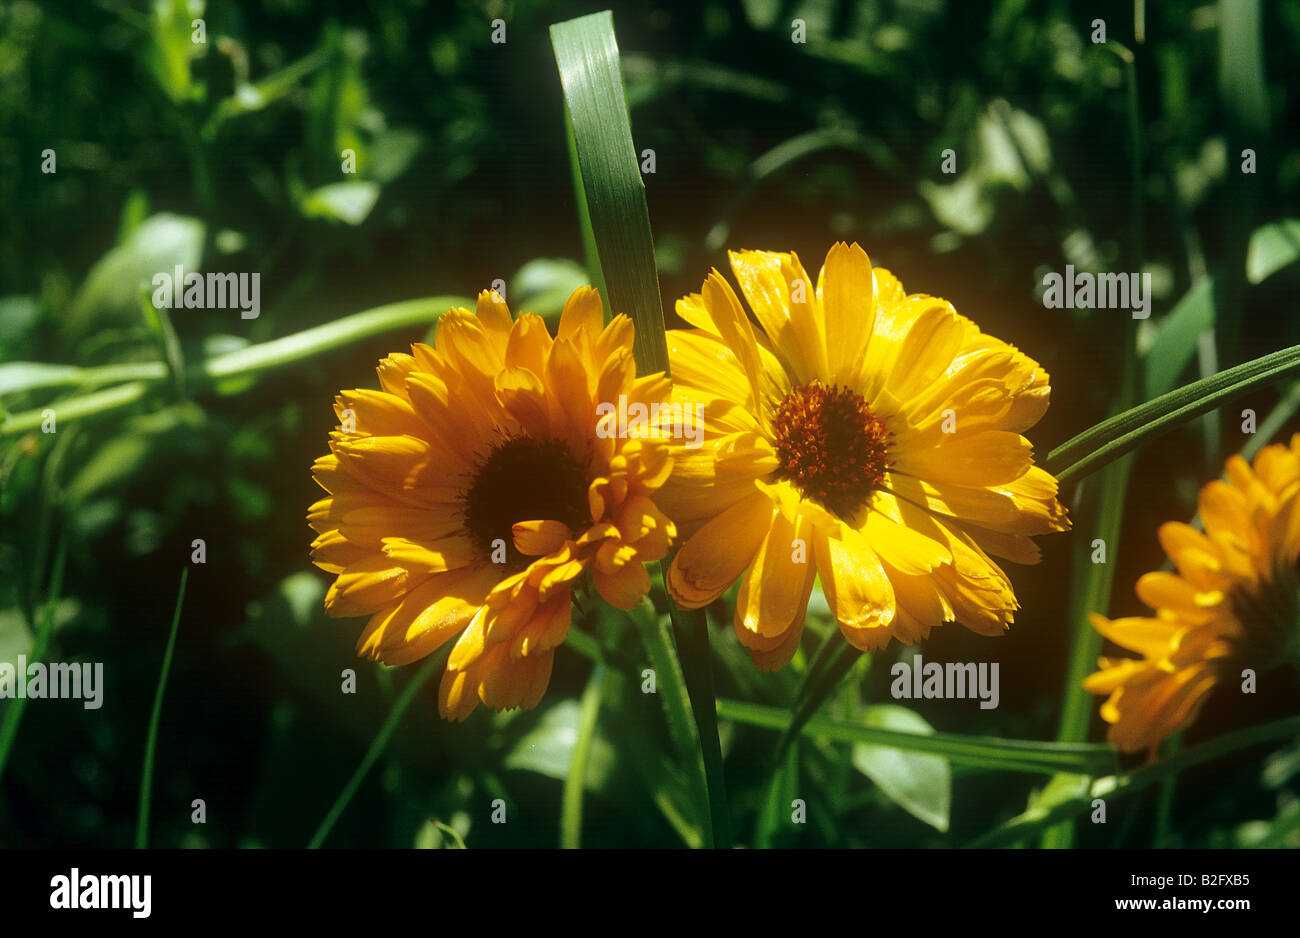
523 479
830 445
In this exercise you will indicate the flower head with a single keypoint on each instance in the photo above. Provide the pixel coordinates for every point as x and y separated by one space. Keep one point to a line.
471 494
861 434
1232 603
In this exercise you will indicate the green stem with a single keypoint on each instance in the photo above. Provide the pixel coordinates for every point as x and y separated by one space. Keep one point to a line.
683 729
14 711
151 741
833 660
378 745
576 781
691 630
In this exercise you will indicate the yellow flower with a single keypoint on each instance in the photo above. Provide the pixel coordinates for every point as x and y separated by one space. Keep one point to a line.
865 435
1231 605
470 495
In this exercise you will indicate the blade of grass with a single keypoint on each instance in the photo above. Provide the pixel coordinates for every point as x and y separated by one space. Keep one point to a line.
1113 787
378 744
1271 425
254 359
587 55
609 183
151 741
575 782
14 710
987 752
1112 438
589 253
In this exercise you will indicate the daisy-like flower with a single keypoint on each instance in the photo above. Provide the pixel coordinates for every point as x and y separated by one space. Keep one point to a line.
1232 603
862 434
470 495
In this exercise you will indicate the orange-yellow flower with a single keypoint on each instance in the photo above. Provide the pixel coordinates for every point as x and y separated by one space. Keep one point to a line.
470 495
1232 603
861 434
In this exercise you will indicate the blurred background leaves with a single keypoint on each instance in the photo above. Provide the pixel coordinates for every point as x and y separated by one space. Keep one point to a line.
232 155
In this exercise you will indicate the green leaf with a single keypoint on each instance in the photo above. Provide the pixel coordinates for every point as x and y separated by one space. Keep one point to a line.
171 47
1176 338
1271 248
157 244
1014 755
920 784
349 201
543 284
548 748
13 714
392 152
219 370
587 55
25 376
1106 441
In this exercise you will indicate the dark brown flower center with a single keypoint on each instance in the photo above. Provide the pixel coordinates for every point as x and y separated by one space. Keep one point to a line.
830 445
523 480
1269 613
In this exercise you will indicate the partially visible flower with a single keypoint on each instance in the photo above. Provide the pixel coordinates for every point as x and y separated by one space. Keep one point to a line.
471 494
1232 603
861 434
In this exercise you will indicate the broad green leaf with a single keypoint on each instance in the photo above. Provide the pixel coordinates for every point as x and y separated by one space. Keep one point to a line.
156 245
1271 248
919 783
392 152
548 747
1176 338
349 201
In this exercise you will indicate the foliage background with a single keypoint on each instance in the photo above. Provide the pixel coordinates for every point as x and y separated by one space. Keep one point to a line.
225 156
